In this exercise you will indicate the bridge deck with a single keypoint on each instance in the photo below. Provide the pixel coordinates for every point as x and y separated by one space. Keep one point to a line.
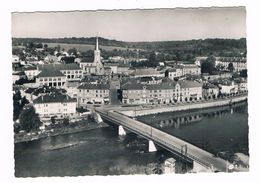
166 140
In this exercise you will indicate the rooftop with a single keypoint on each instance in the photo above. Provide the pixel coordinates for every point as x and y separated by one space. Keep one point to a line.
165 84
59 66
50 73
145 71
94 86
54 98
189 84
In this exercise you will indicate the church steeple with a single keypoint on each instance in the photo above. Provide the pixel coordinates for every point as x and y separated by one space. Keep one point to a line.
97 43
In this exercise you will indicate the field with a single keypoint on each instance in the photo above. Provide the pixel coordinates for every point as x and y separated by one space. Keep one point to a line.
85 47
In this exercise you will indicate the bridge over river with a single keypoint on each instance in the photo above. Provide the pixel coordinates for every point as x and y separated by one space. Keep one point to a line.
166 141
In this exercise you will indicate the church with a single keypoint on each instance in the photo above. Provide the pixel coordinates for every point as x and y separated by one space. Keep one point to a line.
95 66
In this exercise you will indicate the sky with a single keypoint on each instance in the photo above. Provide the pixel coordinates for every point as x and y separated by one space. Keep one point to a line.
134 25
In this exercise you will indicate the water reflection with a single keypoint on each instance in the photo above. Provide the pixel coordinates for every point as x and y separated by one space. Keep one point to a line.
222 130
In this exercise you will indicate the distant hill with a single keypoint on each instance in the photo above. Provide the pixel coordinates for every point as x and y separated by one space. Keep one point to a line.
196 47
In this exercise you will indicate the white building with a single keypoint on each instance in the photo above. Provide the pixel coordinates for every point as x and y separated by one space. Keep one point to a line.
51 77
183 69
112 66
72 71
239 63
55 104
168 91
228 88
31 72
15 59
210 90
146 72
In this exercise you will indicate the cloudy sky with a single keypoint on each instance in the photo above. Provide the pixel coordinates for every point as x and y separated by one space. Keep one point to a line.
134 25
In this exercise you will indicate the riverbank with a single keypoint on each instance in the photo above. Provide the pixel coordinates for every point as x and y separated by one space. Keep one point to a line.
60 130
183 107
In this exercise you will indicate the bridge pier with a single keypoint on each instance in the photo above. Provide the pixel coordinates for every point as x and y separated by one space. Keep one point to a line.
151 147
97 117
121 131
199 168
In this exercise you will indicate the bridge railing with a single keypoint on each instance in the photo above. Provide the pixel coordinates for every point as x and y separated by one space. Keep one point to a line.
153 134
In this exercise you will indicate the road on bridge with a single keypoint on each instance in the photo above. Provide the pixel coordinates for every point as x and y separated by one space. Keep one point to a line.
166 140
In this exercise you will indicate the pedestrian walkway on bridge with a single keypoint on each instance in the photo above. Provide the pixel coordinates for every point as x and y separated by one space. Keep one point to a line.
166 140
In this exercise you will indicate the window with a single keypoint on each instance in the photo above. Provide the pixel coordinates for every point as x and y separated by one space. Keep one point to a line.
50 79
45 79
59 79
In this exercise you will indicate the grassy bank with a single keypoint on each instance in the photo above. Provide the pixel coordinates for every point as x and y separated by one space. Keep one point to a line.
57 129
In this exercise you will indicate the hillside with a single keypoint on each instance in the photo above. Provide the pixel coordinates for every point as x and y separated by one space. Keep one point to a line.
175 49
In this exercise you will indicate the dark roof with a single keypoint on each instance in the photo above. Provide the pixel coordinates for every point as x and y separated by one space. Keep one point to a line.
87 59
59 66
134 85
232 59
149 78
166 84
145 71
30 68
54 97
189 84
94 86
50 73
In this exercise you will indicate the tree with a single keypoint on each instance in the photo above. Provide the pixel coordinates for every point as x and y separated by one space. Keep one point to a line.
53 120
73 51
18 104
220 67
231 67
29 120
68 60
207 67
66 121
211 58
243 73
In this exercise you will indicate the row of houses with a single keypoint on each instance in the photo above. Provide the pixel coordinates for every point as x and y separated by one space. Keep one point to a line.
167 91
182 70
239 63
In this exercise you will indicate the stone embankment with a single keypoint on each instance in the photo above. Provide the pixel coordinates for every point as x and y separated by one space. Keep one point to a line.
182 107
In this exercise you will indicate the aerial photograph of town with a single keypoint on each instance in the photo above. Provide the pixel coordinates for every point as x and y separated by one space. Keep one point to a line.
126 92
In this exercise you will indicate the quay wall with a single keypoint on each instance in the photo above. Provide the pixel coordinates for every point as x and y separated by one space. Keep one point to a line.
183 107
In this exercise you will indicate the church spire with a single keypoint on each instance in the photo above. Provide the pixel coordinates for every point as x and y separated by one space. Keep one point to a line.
97 43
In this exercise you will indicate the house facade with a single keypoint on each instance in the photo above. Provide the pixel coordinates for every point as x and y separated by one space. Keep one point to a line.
239 63
31 72
183 69
55 104
162 93
93 94
51 77
72 72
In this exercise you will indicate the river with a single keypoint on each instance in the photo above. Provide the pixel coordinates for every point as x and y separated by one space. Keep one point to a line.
102 152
